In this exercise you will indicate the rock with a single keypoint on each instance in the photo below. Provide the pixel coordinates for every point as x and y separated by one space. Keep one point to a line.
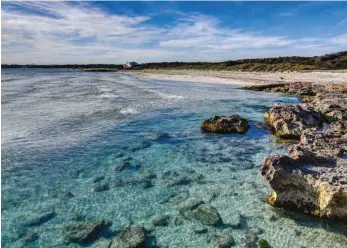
30 238
67 195
264 244
146 184
225 124
312 186
98 179
200 229
176 197
178 221
256 230
133 237
98 187
84 231
207 215
232 220
159 136
180 180
249 241
313 177
122 166
288 121
223 240
102 243
159 220
331 142
40 218
189 204
264 87
13 233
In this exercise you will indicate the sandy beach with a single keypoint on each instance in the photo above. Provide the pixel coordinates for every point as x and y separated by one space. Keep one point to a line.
246 78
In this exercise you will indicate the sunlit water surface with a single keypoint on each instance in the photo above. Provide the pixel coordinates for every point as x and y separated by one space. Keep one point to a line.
62 130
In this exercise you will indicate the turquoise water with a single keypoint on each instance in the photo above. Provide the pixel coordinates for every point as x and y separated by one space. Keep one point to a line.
66 132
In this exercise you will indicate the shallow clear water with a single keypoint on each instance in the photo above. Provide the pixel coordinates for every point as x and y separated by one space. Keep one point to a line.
62 129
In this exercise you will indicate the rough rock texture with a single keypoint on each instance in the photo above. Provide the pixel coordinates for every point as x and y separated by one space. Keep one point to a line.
225 124
84 231
223 240
330 99
133 237
37 219
313 176
102 243
288 121
207 215
264 244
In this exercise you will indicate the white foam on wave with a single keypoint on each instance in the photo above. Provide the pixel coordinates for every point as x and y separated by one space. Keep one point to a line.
168 96
129 110
165 95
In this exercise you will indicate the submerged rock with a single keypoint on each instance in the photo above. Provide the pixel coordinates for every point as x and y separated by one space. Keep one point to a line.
249 241
160 220
189 204
288 121
225 124
207 215
84 231
133 237
102 243
200 229
40 218
101 186
264 244
223 239
30 238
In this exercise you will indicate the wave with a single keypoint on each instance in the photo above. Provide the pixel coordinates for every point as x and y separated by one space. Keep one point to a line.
164 95
129 110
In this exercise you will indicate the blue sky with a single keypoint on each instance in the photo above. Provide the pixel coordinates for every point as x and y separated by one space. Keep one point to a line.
116 32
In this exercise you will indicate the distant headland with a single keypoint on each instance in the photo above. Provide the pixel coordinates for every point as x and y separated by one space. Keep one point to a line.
333 61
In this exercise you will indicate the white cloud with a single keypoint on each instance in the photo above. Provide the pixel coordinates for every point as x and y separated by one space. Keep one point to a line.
63 32
340 40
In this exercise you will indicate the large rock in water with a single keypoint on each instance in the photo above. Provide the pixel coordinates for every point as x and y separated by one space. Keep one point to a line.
84 231
207 215
288 121
133 237
313 178
225 124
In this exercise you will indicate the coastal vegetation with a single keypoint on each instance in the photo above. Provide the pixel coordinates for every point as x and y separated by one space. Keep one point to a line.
332 61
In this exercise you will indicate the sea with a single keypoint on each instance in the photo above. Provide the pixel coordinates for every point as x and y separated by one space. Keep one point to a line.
79 147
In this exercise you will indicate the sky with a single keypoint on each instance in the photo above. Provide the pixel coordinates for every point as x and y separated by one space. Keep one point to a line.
117 32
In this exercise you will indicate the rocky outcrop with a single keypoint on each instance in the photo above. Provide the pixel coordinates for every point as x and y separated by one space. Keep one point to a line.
225 124
264 244
133 237
83 232
223 239
207 215
37 219
312 176
288 121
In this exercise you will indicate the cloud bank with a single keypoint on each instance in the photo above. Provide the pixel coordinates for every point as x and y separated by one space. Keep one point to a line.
63 32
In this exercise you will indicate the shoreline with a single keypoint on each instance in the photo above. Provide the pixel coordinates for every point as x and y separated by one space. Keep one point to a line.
243 78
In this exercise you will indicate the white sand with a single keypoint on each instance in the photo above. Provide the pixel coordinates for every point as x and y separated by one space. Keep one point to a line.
245 78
